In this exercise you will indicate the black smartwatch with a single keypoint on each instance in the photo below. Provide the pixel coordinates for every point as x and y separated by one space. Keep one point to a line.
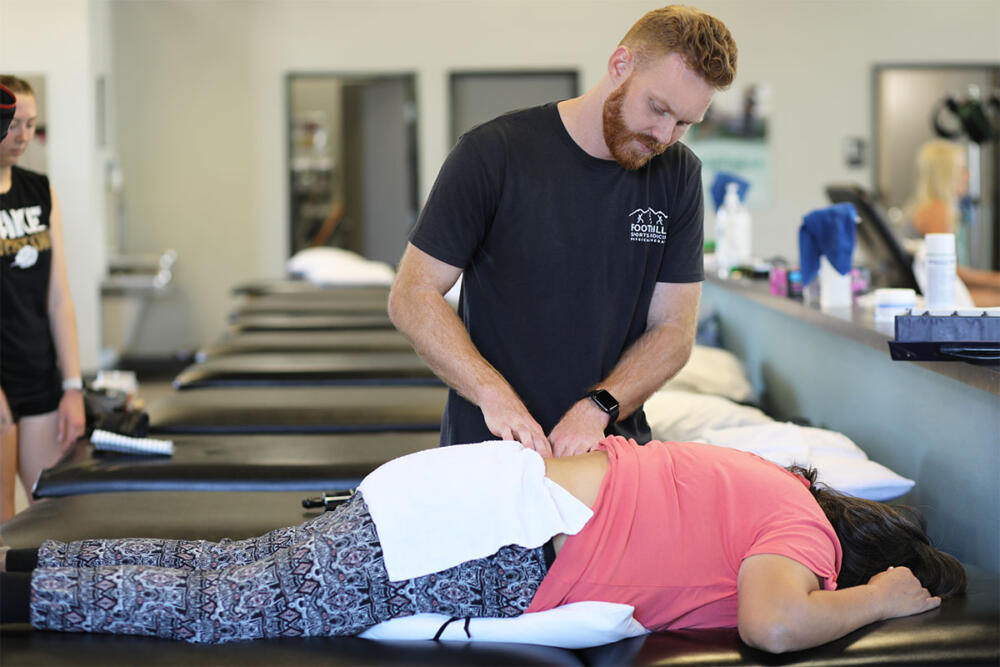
605 401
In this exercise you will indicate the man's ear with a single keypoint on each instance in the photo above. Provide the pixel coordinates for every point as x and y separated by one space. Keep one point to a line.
620 64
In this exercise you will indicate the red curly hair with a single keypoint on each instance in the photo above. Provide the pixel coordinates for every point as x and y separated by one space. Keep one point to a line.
701 39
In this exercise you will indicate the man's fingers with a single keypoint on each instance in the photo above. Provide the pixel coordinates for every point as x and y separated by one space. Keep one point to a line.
542 446
530 435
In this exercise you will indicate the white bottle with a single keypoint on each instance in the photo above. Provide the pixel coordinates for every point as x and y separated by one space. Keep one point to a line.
739 226
727 230
940 270
723 257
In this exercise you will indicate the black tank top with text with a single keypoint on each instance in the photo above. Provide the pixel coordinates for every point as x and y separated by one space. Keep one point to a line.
26 348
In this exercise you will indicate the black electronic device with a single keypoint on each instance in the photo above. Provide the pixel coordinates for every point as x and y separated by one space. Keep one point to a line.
605 401
971 338
890 264
329 500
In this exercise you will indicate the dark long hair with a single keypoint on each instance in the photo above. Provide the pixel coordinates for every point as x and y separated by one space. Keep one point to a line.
875 536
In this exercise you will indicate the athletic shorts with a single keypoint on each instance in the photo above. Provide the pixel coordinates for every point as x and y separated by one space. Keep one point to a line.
37 396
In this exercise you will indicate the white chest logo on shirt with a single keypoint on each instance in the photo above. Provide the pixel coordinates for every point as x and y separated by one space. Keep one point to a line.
17 223
26 257
648 226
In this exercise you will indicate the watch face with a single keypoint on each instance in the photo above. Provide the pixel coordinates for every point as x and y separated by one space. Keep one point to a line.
605 400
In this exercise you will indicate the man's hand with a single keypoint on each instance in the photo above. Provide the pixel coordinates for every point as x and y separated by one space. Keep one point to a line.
900 593
72 418
507 418
580 429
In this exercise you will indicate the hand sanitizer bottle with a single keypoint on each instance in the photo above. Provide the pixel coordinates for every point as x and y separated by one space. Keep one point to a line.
739 226
732 231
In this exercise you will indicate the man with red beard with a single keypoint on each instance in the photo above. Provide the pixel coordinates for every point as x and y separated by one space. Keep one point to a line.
577 227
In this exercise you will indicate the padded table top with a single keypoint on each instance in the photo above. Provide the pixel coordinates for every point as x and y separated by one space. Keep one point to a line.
962 632
254 342
298 410
303 322
340 301
232 463
300 287
308 368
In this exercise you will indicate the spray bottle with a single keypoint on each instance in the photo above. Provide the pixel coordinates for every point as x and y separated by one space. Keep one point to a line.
732 231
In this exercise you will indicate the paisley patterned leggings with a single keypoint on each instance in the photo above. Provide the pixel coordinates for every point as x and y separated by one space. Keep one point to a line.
324 577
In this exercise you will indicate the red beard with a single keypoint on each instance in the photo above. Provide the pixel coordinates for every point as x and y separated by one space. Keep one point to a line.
618 136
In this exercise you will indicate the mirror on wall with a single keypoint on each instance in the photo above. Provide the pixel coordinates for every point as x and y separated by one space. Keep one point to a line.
916 104
352 151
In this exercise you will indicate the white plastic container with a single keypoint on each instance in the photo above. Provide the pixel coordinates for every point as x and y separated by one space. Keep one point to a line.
834 288
732 232
890 302
723 241
940 270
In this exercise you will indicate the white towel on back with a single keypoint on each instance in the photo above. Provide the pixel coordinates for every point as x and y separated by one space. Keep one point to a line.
440 507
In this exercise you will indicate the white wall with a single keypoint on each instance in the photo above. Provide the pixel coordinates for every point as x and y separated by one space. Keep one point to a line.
202 124
187 132
67 41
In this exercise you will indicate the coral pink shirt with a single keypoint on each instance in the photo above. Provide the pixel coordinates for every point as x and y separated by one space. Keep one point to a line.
673 522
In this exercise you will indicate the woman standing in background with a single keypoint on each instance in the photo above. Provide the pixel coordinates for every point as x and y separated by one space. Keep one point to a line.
942 180
41 391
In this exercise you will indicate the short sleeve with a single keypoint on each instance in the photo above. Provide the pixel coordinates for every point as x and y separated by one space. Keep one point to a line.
683 260
809 541
463 201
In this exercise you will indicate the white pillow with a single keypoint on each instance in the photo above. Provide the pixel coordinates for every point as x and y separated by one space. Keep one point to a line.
683 416
337 266
712 370
577 625
841 464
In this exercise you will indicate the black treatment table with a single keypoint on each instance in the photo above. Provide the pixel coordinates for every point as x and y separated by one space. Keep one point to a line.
286 369
343 301
298 410
297 287
964 631
232 463
303 322
306 341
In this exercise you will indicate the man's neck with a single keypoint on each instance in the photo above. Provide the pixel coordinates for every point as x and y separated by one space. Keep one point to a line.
583 118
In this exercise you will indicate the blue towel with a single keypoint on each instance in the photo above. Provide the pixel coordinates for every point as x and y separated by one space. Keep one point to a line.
724 178
827 231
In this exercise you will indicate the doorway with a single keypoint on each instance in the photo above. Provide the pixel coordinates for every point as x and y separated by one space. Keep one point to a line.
352 146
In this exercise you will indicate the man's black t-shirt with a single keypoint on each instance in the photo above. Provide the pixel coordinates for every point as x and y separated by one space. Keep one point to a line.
560 252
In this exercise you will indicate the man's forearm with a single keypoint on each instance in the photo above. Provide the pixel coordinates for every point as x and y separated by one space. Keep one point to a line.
441 340
649 362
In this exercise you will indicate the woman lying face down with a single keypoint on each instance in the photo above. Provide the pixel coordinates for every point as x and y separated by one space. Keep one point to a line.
690 535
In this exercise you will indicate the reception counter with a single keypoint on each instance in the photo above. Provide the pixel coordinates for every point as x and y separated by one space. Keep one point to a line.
937 423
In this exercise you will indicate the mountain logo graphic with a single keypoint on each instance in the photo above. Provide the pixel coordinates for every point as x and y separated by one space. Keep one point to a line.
648 226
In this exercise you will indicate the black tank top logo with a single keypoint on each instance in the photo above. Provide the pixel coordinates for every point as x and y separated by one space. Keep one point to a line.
23 236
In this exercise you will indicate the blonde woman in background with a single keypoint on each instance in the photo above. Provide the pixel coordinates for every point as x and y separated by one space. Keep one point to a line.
942 180
41 398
